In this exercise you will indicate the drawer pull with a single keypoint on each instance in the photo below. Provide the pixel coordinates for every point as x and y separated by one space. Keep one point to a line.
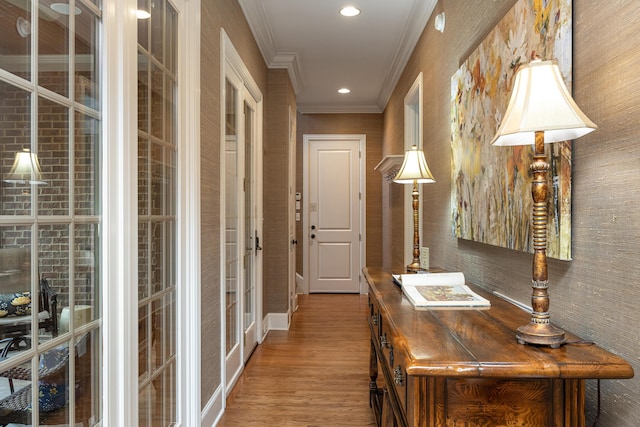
398 376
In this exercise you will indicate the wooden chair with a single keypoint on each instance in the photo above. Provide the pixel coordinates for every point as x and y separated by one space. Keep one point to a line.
17 329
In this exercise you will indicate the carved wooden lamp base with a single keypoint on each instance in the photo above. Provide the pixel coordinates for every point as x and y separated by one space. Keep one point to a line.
540 331
414 266
415 203
541 334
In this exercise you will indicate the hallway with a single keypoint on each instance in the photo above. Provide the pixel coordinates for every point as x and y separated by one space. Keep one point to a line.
314 375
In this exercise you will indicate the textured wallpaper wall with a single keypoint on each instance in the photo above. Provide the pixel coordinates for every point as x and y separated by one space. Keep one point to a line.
595 295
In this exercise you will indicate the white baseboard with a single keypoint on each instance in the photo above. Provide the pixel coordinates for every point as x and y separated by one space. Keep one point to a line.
277 322
213 410
300 285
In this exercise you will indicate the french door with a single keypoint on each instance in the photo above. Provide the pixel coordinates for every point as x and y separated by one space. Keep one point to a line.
157 215
242 215
252 246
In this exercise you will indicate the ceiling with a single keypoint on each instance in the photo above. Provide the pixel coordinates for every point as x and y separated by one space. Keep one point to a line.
324 51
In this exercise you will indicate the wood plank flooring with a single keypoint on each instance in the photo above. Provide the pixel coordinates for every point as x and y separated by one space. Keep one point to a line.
314 375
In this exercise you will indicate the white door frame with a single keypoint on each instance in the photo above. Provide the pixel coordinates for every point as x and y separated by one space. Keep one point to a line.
413 125
362 139
231 63
293 246
119 392
189 267
119 246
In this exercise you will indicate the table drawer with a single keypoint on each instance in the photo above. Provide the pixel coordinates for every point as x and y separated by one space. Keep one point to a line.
394 362
375 322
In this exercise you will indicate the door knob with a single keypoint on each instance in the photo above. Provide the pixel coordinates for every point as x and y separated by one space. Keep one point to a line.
313 236
313 227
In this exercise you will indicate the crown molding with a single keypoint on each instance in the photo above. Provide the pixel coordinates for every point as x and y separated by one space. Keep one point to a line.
418 18
342 109
289 61
259 25
257 20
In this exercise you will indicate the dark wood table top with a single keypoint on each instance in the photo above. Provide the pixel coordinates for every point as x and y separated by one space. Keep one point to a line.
481 342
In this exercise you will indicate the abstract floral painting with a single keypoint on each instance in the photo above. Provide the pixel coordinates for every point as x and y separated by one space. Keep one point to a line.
491 186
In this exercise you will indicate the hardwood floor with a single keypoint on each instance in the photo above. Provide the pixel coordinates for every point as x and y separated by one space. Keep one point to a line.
314 375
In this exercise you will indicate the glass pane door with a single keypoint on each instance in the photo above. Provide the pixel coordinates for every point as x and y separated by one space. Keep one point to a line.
241 244
157 247
231 232
252 240
50 215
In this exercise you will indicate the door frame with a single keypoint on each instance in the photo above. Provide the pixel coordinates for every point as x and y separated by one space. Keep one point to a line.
362 139
119 68
231 62
413 131
293 244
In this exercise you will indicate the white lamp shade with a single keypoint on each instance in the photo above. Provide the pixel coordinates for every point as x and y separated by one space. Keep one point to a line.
414 168
26 169
540 102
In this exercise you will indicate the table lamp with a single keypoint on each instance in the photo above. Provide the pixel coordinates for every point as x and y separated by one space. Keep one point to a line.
414 170
26 169
540 111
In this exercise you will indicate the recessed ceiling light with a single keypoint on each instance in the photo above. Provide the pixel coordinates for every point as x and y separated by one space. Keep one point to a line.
64 9
23 26
344 90
349 11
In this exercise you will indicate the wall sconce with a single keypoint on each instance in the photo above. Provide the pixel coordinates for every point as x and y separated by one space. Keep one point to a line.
414 170
142 14
540 111
26 169
439 22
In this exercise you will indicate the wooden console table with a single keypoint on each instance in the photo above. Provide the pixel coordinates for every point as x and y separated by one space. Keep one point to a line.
464 367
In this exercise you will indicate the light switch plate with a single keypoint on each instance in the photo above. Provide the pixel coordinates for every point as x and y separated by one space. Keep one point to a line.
424 258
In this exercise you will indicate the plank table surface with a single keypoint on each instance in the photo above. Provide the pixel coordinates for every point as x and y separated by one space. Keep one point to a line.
464 366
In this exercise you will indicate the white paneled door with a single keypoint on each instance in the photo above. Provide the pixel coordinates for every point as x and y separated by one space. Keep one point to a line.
333 212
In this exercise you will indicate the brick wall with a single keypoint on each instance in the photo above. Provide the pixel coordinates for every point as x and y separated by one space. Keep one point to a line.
57 237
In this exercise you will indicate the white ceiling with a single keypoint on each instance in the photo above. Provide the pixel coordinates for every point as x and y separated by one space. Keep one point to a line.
324 51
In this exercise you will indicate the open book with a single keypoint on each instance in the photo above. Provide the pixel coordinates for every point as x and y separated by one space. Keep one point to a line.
439 290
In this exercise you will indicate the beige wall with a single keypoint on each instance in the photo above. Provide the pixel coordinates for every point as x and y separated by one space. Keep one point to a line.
595 295
217 14
371 126
279 101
